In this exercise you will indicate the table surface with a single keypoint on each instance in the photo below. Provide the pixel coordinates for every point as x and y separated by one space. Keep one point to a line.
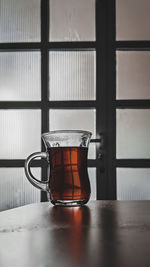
102 233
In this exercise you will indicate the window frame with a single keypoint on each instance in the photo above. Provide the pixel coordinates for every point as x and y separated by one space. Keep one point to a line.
44 46
105 104
131 45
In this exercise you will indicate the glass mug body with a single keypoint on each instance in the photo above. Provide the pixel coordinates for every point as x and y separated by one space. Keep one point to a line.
66 153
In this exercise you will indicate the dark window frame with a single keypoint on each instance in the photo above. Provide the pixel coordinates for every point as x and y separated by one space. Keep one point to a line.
44 46
105 103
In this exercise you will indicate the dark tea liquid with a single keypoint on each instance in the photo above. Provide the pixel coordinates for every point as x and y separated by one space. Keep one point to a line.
68 173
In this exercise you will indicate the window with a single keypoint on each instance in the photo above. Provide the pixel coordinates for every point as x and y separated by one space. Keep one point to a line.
47 70
132 99
59 63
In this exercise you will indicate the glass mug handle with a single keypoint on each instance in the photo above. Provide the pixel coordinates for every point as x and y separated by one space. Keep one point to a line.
43 185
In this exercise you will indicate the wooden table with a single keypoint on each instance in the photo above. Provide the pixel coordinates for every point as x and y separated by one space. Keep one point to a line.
102 233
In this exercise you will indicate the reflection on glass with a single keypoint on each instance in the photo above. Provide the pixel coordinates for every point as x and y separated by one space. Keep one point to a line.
132 20
72 75
20 76
133 79
19 21
15 190
133 184
133 133
20 133
72 20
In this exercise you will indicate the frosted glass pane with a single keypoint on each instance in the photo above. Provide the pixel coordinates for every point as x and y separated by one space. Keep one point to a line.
133 133
20 133
92 151
133 184
71 119
133 75
15 189
92 177
72 75
19 21
74 120
20 76
72 20
132 19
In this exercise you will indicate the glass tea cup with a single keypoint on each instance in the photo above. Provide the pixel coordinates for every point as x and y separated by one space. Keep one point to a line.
66 153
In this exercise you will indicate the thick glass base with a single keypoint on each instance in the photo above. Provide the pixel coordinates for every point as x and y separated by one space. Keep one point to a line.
69 203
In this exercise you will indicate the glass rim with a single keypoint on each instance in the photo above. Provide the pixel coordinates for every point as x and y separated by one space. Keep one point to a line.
66 132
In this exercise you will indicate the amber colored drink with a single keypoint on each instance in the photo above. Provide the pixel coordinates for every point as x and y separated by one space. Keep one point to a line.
68 173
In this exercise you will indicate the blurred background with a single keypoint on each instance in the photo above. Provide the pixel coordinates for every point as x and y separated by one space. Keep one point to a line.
76 64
